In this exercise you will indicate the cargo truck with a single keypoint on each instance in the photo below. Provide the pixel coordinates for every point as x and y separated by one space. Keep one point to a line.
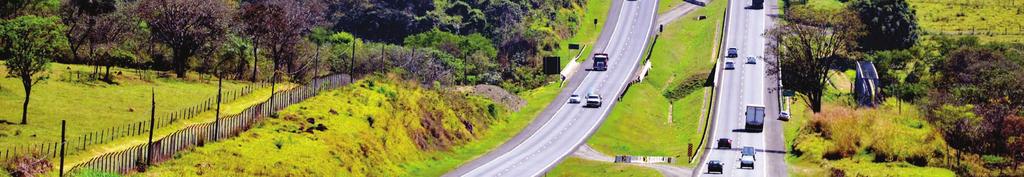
600 62
755 118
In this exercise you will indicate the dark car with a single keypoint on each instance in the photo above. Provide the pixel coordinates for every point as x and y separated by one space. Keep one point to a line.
724 143
732 53
715 166
729 65
748 151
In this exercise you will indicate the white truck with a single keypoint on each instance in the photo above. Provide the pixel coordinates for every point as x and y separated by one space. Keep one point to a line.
755 118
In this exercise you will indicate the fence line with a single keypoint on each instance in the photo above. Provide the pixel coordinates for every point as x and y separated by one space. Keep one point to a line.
81 143
134 158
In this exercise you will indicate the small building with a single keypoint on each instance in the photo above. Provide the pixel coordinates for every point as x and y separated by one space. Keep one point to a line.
867 87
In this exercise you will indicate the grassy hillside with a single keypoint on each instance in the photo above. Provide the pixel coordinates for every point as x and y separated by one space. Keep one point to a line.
90 106
990 20
376 127
639 125
580 167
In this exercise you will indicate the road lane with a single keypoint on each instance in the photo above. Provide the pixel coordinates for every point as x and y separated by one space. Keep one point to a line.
746 85
571 124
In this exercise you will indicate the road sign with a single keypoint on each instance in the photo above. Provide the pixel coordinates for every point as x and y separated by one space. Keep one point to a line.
788 92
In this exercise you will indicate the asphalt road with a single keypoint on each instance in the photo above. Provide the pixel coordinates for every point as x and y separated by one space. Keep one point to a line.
563 127
747 84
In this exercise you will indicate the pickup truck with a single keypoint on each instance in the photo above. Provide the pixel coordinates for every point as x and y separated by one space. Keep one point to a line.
755 118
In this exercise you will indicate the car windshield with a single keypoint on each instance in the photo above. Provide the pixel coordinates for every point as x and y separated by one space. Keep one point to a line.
748 151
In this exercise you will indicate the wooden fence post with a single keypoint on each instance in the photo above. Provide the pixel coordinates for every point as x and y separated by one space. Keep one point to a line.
62 141
152 122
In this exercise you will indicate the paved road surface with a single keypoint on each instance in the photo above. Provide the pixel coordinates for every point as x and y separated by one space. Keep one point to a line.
747 84
562 127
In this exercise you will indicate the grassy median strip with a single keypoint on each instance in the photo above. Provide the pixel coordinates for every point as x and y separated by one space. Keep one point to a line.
573 166
639 124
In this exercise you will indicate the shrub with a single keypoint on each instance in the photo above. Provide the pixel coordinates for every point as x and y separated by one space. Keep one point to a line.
28 165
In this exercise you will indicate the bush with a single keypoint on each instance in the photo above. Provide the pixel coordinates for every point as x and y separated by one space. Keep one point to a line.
690 84
28 165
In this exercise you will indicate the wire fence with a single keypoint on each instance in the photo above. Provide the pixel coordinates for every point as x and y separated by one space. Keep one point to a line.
136 157
81 143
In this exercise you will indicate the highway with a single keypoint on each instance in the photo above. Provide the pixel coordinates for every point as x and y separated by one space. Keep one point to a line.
746 84
563 127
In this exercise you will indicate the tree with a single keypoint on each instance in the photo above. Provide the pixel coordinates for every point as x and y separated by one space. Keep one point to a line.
109 31
28 43
890 24
186 26
958 124
81 18
808 46
283 27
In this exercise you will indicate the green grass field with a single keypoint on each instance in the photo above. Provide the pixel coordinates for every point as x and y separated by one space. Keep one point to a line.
573 166
94 105
825 4
639 125
990 20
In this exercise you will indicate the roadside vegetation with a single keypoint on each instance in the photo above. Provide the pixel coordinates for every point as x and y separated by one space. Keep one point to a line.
946 106
375 127
640 124
437 43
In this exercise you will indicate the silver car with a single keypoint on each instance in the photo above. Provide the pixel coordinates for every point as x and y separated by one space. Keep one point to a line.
751 60
574 99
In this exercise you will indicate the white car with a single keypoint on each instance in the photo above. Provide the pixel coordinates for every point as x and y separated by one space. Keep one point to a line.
751 60
593 100
574 99
784 115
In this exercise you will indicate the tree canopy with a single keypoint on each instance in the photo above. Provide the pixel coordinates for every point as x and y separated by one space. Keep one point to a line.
807 47
29 43
890 24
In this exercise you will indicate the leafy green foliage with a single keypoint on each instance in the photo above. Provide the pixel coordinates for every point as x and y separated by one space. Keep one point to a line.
690 84
29 44
809 45
890 24
475 52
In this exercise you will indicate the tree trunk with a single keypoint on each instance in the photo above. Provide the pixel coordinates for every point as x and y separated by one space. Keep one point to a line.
815 102
107 75
255 60
27 83
180 63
